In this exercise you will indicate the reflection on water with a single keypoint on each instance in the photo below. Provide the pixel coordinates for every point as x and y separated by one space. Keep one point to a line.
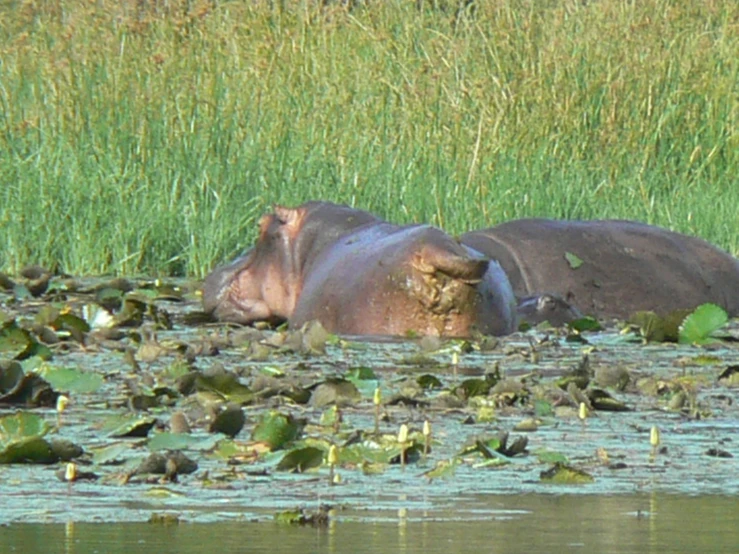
500 524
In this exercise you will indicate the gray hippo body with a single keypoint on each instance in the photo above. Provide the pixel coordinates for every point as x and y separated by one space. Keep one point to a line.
626 266
358 274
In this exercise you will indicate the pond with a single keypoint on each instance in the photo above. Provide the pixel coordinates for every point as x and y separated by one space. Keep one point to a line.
544 440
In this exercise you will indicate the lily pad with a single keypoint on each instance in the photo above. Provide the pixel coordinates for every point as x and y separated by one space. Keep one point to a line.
335 391
277 429
129 426
19 343
24 388
181 441
301 459
69 379
705 320
562 474
22 439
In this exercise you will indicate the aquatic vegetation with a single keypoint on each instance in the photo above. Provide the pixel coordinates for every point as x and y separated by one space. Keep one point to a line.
217 407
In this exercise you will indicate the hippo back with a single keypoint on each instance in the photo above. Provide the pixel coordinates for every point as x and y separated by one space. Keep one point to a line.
626 266
389 280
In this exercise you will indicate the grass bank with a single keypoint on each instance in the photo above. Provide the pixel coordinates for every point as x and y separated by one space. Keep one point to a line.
147 137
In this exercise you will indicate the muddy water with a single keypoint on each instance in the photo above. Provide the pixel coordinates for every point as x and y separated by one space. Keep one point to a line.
523 523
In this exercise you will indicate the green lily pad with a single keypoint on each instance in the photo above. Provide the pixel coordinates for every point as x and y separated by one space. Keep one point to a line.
22 439
181 441
277 429
22 425
475 387
69 379
584 324
16 341
20 387
111 454
429 381
335 391
301 459
550 457
129 426
364 379
443 469
562 474
74 326
219 381
698 327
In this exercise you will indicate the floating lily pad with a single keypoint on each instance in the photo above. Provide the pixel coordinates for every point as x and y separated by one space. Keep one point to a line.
181 441
24 388
19 343
69 379
428 381
227 385
277 429
22 439
705 320
601 400
335 391
114 453
563 474
303 517
585 324
551 457
301 459
129 426
443 469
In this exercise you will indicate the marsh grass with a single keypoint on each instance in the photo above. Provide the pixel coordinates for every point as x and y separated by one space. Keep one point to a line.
148 137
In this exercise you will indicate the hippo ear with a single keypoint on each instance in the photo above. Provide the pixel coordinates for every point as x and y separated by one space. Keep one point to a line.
432 258
291 218
264 222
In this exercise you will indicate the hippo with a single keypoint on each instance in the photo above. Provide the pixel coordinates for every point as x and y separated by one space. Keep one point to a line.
546 307
360 275
626 266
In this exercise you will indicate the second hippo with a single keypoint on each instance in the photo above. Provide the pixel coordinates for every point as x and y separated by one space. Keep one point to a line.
360 275
611 268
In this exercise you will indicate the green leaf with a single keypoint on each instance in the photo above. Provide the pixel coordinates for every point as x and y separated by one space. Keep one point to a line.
584 324
128 425
69 379
21 439
562 474
301 459
698 326
573 260
276 429
111 454
22 425
181 441
550 457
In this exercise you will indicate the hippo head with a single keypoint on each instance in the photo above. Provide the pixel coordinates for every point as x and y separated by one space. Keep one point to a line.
264 283
261 284
547 307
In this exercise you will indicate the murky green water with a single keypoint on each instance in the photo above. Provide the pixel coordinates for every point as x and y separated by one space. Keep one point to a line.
656 523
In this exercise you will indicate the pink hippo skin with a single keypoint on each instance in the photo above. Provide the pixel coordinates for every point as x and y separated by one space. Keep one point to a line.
360 275
626 266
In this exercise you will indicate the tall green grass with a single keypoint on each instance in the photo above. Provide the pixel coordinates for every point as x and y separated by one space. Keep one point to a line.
148 137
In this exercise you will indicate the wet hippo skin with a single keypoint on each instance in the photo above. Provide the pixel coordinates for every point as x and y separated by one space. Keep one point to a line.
626 266
358 274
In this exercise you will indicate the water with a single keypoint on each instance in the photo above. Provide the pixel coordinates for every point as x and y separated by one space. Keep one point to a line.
501 524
